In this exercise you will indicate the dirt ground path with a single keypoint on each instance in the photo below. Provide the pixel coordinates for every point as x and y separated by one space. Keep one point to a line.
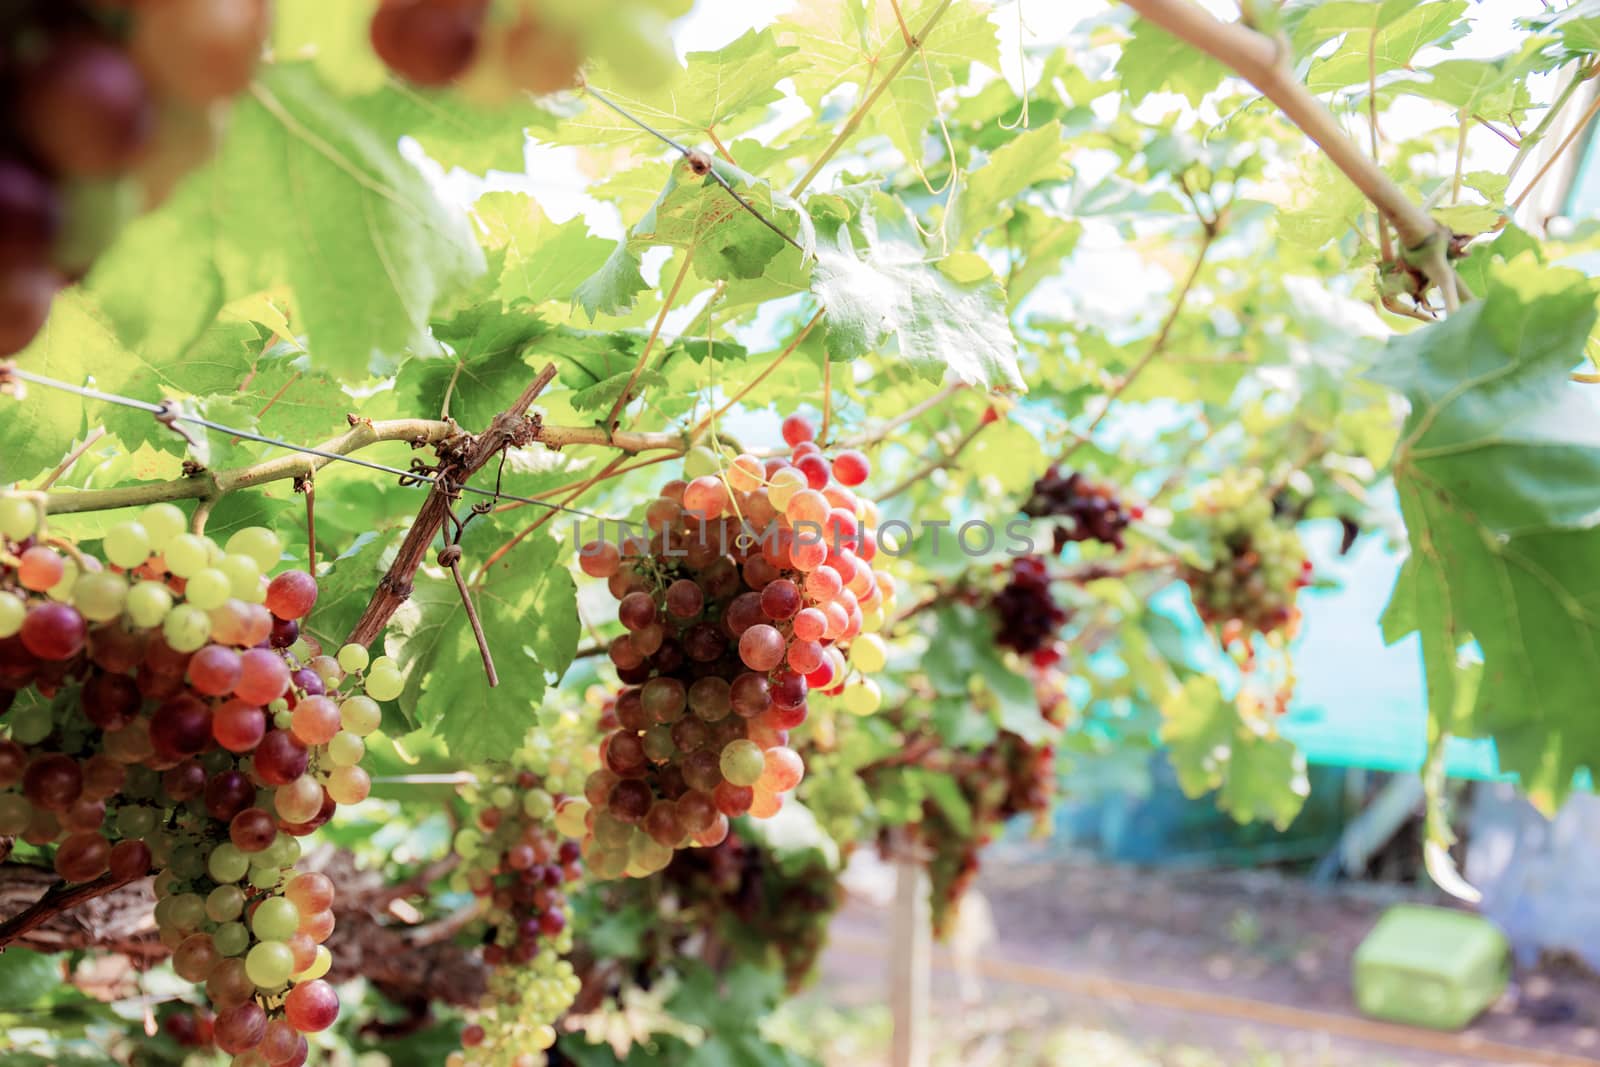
1230 954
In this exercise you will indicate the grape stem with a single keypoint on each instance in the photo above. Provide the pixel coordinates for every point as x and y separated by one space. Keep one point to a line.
1263 62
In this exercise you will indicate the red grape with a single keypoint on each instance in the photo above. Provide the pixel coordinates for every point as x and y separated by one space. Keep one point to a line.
291 594
796 429
851 467
110 701
85 108
252 830
54 631
237 726
214 670
82 857
280 758
426 41
181 727
311 1007
263 676
241 1027
52 782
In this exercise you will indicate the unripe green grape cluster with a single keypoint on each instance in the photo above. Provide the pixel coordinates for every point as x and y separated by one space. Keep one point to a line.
519 868
166 715
1259 567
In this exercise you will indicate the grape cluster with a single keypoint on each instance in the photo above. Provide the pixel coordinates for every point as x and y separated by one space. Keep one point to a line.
109 105
492 50
515 862
1084 510
1026 613
1260 565
166 714
1009 777
752 589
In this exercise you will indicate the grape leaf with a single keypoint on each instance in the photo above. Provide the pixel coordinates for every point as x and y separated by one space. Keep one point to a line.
715 89
1379 38
541 260
489 369
369 253
695 211
985 200
38 428
1255 773
475 137
528 606
1154 59
1498 473
889 290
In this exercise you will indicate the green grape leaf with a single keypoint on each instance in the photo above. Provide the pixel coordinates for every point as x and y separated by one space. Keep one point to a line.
1379 37
489 368
527 603
540 259
1153 59
696 212
1255 773
345 589
475 137
368 254
735 82
26 978
987 197
848 42
1498 473
888 290
39 426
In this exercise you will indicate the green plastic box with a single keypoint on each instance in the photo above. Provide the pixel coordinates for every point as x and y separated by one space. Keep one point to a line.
1430 967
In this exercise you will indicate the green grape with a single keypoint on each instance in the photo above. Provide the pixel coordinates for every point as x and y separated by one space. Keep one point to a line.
260 544
360 715
861 697
227 863
538 804
244 576
30 724
346 749
166 883
269 964
699 462
148 603
502 797
127 544
231 938
186 628
135 820
187 554
384 684
99 597
225 903
275 919
188 862
188 910
467 843
19 518
283 718
12 611
353 658
61 592
208 589
319 966
162 522
648 853
266 877
742 762
283 852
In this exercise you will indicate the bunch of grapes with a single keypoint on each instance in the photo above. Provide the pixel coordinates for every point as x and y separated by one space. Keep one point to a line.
752 589
495 49
1084 510
756 901
1026 613
517 865
110 104
1009 777
1260 565
166 714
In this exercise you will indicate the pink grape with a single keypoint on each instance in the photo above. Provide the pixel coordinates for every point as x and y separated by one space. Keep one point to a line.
815 468
851 467
291 594
797 428
311 1007
263 676
761 647
599 559
780 599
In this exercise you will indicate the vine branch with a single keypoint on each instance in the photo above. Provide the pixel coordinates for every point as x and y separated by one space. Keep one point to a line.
1260 60
59 898
513 427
